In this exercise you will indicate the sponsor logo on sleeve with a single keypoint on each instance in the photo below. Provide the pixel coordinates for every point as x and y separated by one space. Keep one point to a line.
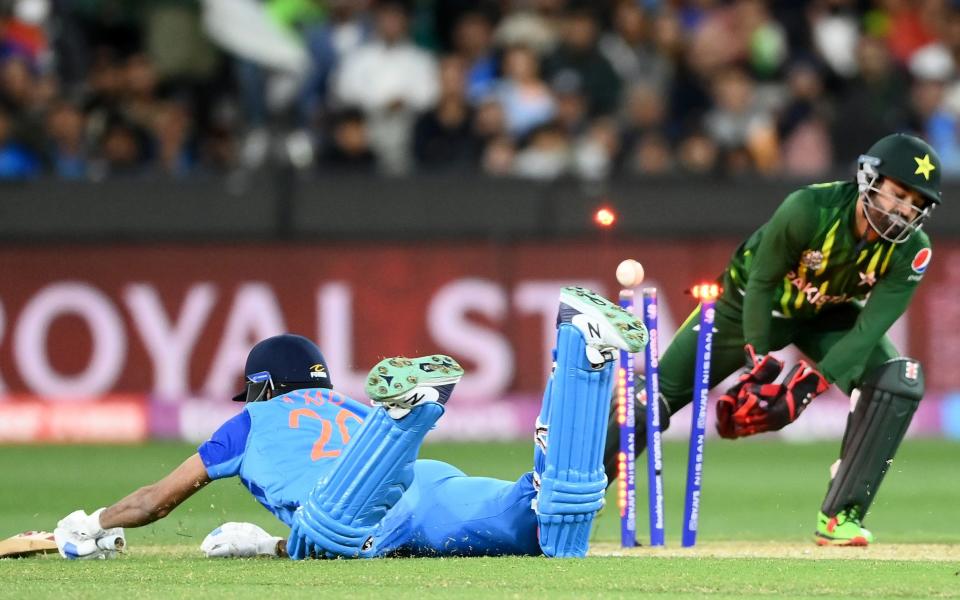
921 261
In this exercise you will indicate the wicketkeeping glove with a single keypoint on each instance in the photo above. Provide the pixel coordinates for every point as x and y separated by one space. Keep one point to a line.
759 370
772 406
239 540
80 536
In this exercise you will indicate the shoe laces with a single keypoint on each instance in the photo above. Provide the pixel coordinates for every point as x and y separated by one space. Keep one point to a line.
851 514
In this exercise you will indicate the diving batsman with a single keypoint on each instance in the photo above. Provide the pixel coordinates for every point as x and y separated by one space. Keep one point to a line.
344 476
835 266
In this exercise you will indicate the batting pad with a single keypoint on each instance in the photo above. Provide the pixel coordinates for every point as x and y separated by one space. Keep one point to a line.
573 482
367 480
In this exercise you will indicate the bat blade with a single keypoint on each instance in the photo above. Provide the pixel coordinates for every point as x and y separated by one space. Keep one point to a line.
28 543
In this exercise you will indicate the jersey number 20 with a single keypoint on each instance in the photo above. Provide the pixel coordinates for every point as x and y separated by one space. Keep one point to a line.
326 430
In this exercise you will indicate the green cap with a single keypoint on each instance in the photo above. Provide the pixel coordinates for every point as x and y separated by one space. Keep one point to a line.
909 160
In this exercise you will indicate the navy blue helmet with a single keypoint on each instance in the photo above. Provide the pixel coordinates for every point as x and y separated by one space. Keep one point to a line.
283 363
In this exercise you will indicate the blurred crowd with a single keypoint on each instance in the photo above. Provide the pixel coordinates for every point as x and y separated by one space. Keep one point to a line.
536 89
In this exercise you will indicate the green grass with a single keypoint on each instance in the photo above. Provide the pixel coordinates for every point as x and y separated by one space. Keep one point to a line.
755 493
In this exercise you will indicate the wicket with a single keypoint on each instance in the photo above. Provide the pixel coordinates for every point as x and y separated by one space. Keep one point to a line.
626 459
707 294
654 448
626 419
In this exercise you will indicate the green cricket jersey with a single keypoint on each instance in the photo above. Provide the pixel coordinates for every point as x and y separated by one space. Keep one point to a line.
808 257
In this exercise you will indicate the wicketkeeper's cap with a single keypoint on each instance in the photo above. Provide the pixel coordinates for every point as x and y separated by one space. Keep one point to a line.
283 363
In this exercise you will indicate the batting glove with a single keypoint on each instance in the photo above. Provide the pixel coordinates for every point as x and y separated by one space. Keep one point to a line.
80 536
240 540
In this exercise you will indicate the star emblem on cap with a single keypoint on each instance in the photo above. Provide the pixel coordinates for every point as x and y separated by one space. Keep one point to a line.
868 279
924 166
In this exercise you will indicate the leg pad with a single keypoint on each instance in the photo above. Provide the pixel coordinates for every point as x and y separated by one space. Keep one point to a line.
573 482
375 469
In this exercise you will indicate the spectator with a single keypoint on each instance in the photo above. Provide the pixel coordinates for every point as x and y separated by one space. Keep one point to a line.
645 114
571 102
105 84
345 30
803 124
872 104
348 149
697 154
932 68
68 153
139 101
172 131
443 137
17 86
630 47
499 156
738 125
579 53
534 24
392 81
651 155
22 34
547 154
697 87
595 152
526 99
16 160
911 26
835 34
473 42
123 151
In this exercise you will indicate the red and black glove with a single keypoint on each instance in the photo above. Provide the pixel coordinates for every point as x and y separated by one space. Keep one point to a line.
772 406
760 370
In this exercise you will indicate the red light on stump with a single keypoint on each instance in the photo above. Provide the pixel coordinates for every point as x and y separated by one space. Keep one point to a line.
604 217
705 291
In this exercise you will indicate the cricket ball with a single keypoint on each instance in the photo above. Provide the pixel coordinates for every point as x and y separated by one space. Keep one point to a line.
630 273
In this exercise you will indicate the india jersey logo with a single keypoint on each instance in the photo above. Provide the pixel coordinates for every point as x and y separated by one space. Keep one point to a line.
921 260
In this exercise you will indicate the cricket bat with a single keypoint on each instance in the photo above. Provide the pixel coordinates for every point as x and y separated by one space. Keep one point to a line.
28 543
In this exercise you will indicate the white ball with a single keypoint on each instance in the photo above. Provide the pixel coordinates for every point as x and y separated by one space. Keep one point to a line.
630 273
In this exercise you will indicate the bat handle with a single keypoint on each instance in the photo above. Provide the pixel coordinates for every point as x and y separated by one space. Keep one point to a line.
113 543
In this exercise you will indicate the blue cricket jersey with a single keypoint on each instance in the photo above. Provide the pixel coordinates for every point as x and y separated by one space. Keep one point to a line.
281 448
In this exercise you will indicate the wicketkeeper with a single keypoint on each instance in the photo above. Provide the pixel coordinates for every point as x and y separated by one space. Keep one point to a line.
345 477
830 272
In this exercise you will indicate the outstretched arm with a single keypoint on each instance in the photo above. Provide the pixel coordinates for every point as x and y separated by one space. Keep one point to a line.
155 501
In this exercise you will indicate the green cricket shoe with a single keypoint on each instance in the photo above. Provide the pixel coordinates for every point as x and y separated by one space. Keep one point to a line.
604 325
399 383
841 530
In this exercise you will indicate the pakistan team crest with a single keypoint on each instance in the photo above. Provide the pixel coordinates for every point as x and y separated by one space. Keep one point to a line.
812 259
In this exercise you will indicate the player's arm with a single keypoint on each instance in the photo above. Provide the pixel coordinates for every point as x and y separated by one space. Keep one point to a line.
785 237
100 535
155 501
78 534
844 363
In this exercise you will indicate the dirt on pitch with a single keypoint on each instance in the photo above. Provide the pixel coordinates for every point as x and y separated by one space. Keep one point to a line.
797 550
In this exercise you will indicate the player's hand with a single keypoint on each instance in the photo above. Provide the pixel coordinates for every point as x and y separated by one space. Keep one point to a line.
80 536
240 540
760 369
770 407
